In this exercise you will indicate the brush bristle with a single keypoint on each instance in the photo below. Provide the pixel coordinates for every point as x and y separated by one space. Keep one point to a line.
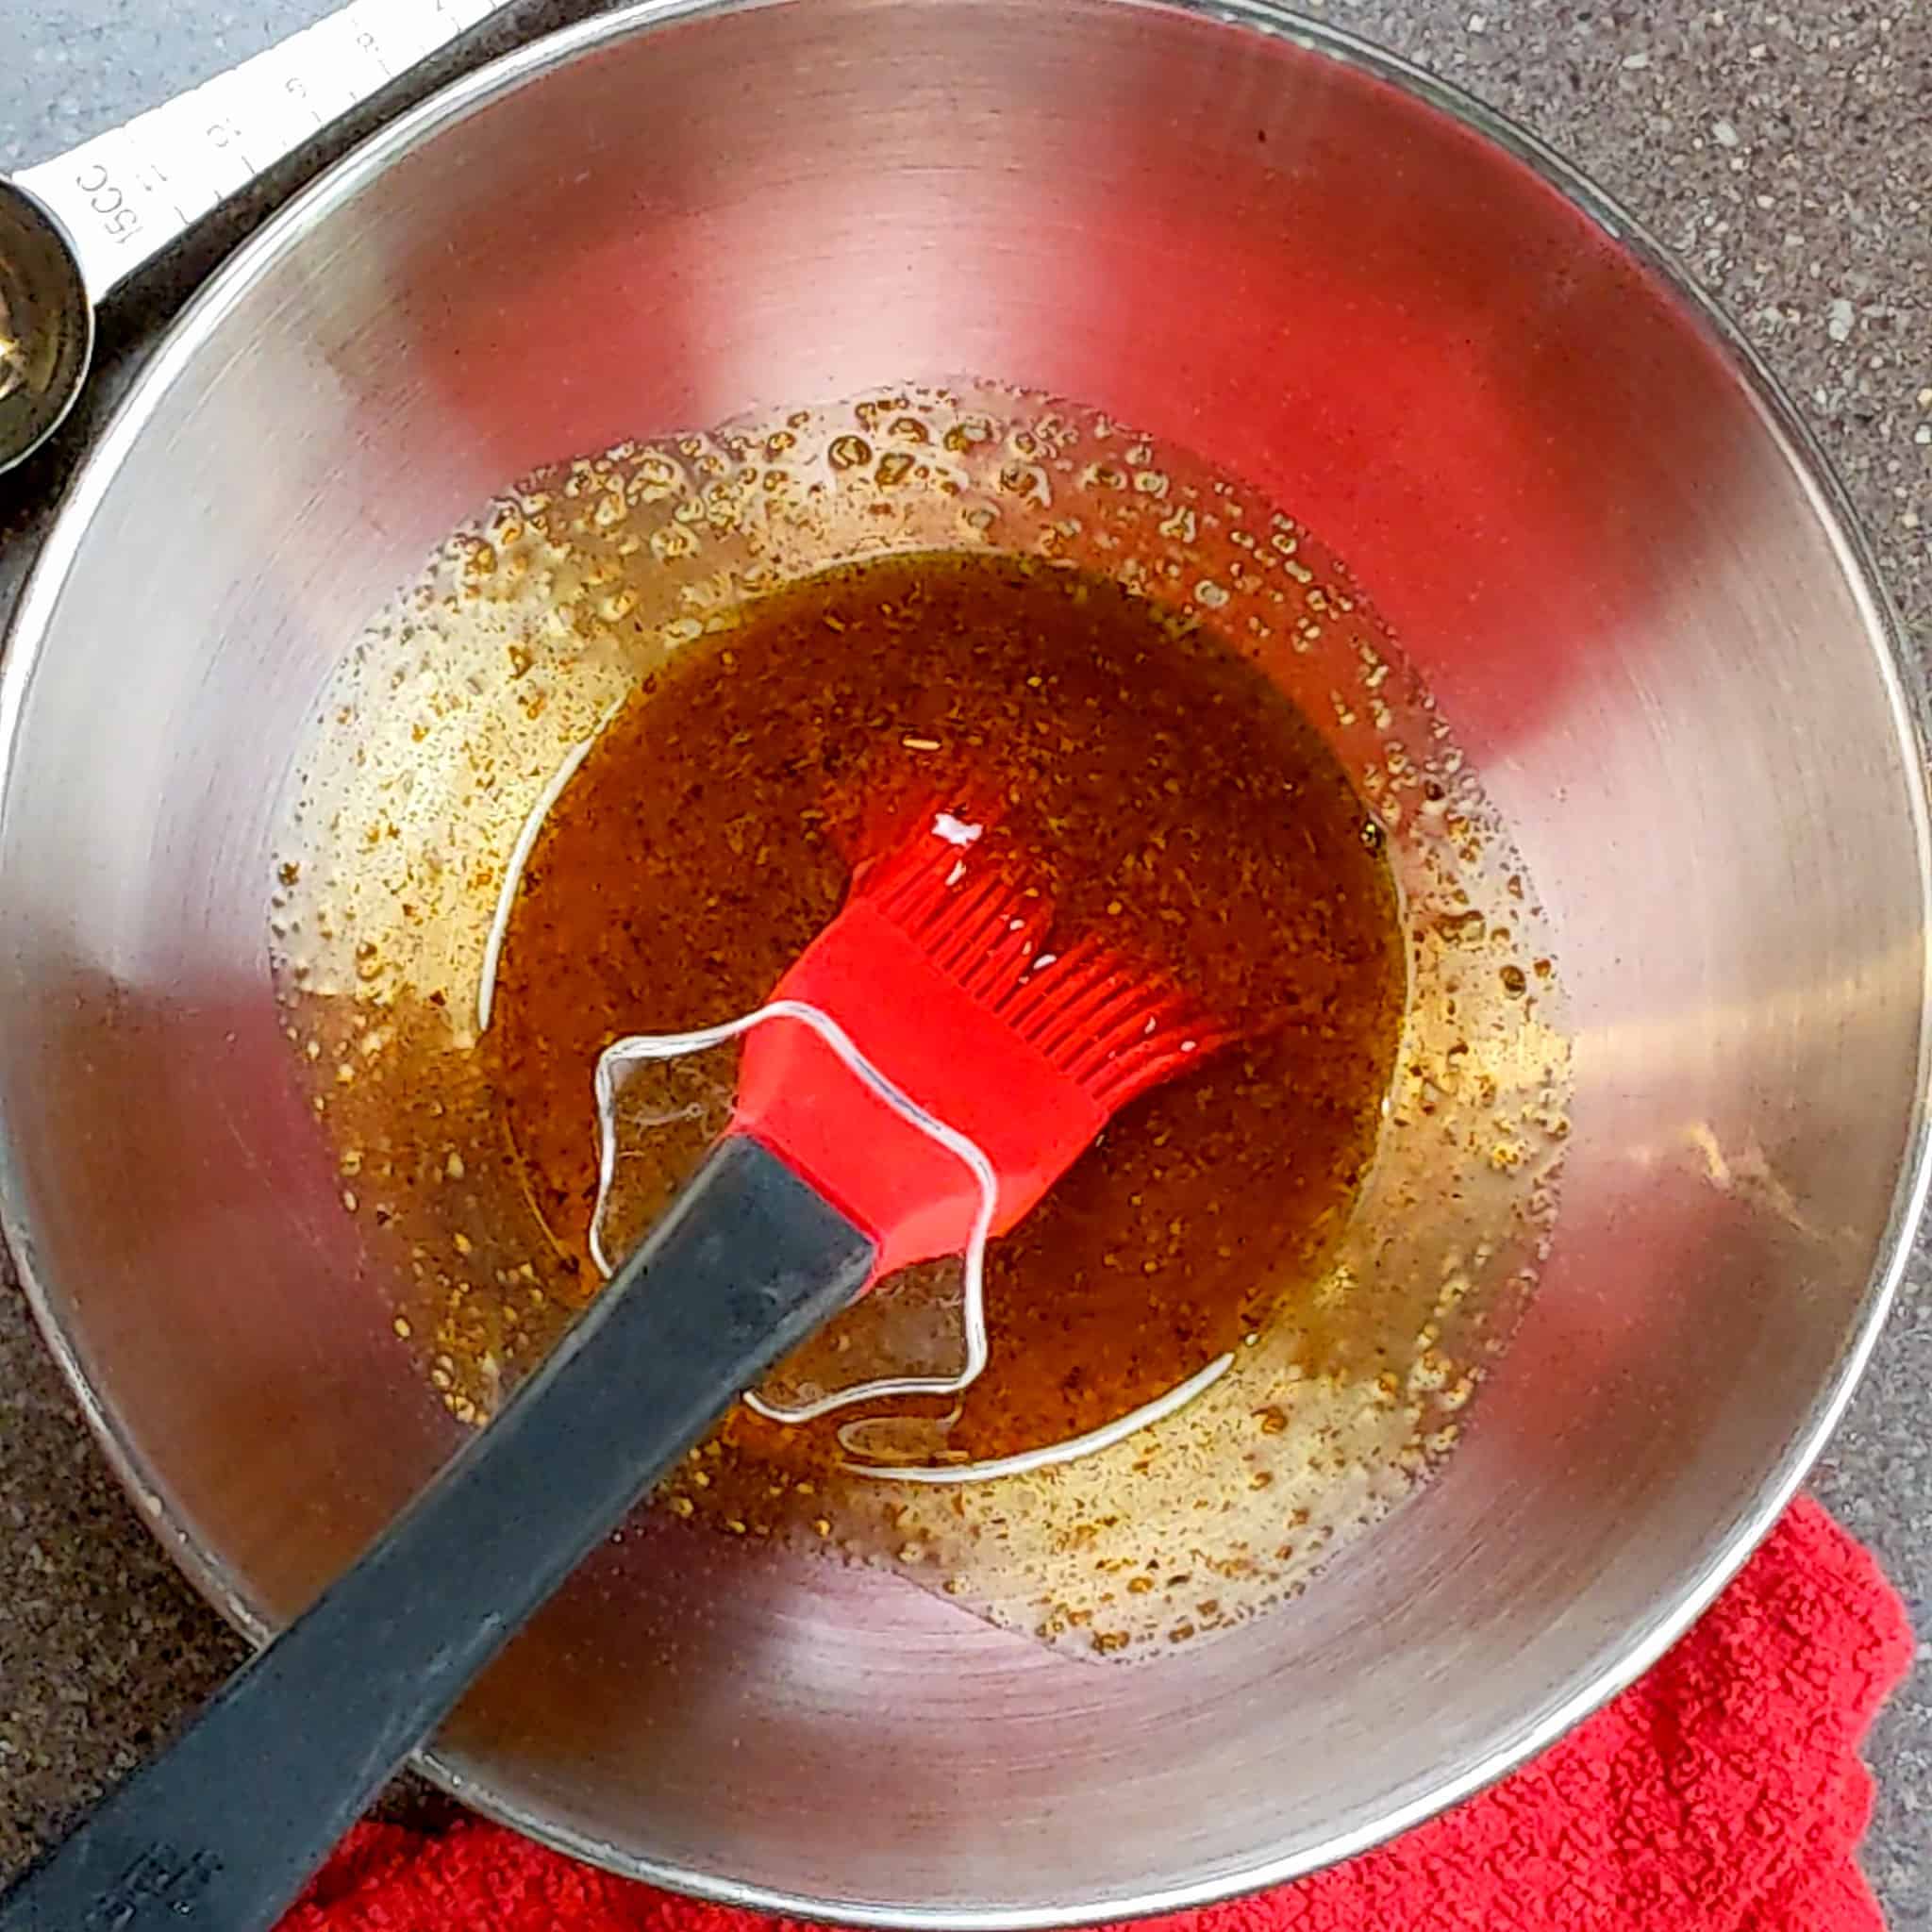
1112 1027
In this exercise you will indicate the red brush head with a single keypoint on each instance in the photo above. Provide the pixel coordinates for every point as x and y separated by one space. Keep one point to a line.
935 970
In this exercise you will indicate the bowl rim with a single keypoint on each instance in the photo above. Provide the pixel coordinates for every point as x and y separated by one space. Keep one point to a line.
1905 686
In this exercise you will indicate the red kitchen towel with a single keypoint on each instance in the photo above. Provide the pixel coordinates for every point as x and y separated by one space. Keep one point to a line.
1721 1793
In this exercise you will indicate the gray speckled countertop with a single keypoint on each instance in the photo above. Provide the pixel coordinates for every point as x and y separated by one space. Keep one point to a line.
1782 148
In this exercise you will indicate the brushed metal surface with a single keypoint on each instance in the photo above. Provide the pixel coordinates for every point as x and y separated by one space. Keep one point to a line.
1600 535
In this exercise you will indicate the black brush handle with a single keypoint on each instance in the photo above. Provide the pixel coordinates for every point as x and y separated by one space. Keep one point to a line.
222 1830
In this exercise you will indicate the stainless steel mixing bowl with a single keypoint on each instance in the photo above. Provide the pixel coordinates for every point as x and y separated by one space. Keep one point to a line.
1606 543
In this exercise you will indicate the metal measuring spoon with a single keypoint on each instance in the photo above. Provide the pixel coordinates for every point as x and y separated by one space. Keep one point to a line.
74 228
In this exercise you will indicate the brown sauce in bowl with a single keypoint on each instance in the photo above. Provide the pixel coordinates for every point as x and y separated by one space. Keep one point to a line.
1210 749
1166 795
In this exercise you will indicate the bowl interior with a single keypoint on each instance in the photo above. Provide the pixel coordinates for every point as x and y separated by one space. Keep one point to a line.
1594 536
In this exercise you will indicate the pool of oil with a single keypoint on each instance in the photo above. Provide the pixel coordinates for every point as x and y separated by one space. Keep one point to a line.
1162 794
605 768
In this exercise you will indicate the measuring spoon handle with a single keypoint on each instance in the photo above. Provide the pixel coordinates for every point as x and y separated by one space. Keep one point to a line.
123 195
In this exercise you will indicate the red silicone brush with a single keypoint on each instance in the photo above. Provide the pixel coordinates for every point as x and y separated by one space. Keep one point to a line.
934 971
